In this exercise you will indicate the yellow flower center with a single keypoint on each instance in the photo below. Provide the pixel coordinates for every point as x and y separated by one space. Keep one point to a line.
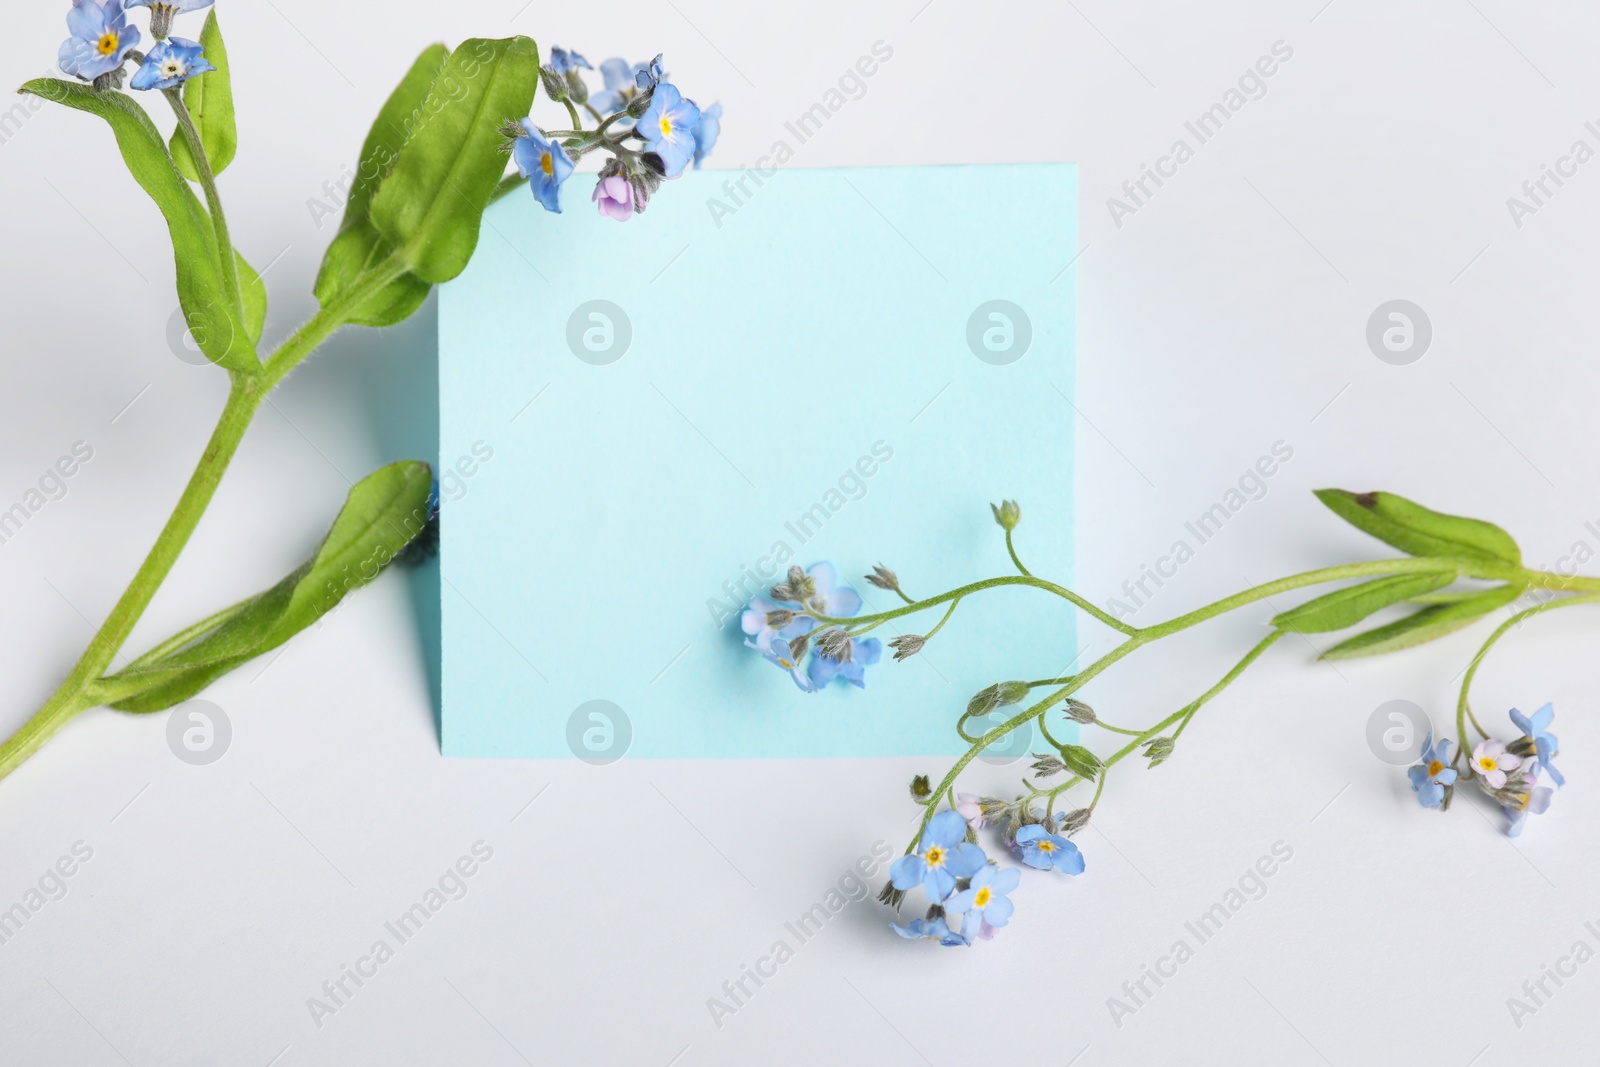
935 856
547 163
1434 768
1047 846
666 126
1486 763
107 45
982 897
786 663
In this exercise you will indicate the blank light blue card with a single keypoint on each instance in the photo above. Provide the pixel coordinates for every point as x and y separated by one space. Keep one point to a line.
644 424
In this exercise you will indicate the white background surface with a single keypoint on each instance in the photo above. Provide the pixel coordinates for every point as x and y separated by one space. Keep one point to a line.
1226 315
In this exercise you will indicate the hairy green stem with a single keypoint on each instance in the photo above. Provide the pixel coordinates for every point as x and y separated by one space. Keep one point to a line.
1463 706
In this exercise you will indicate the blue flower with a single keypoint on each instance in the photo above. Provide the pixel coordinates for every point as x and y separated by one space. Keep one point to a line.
562 61
1536 729
945 856
706 133
1432 778
864 652
162 12
931 930
1044 850
649 75
755 623
544 163
668 128
170 63
778 653
1536 801
620 79
827 597
986 897
101 39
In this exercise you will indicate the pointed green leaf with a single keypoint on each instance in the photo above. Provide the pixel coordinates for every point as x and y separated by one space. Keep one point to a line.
383 513
358 246
1419 531
397 120
431 205
209 99
1346 607
204 296
1425 625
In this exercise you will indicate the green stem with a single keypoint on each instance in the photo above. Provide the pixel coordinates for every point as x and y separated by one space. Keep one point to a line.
208 182
1463 707
75 694
1011 548
988 583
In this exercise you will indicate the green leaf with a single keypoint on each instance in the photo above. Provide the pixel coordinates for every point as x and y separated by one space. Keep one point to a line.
254 291
393 127
1418 531
206 302
344 267
383 513
358 246
1425 625
431 205
209 99
1346 607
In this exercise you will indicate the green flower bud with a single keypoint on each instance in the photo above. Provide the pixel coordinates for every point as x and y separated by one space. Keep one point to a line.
1007 514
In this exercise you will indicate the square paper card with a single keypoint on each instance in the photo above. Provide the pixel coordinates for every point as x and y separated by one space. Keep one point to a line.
644 424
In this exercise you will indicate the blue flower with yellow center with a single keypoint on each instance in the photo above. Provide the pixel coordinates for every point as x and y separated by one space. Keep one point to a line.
668 128
1046 851
1433 777
986 897
101 39
946 855
170 63
544 163
781 654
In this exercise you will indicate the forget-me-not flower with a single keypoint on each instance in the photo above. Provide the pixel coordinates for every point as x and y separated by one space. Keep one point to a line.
1491 761
668 128
780 653
706 132
986 897
170 63
864 652
1536 801
620 79
945 856
101 39
1044 850
1536 729
563 60
544 163
756 622
930 930
1433 776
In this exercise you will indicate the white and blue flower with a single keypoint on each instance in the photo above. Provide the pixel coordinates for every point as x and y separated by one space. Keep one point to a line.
101 39
945 855
170 63
756 622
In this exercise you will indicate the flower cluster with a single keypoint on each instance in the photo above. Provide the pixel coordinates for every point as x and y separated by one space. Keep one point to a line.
782 626
969 894
650 130
102 42
1508 773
